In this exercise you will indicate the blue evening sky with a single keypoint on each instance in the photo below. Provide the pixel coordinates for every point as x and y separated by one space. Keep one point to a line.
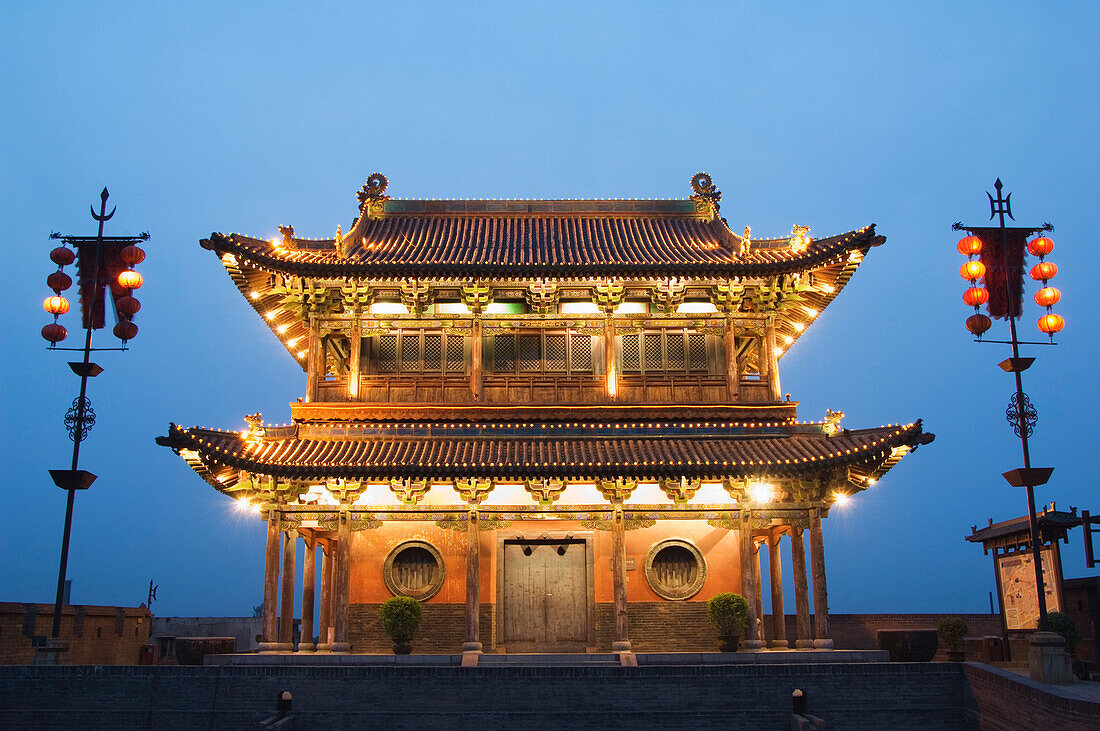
226 116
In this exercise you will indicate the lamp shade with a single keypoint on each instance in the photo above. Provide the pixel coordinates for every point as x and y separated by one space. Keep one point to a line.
970 245
972 271
978 324
1044 270
1040 246
976 296
1051 323
1047 296
130 279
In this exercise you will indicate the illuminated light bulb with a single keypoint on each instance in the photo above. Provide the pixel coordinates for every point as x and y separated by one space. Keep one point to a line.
254 295
810 311
290 343
761 492
871 481
788 339
840 498
270 315
799 326
301 354
228 258
778 351
282 329
828 288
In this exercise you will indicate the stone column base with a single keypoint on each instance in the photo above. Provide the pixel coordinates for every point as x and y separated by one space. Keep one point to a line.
823 644
621 646
803 644
474 647
751 646
323 647
268 648
305 647
779 645
285 647
339 648
1047 659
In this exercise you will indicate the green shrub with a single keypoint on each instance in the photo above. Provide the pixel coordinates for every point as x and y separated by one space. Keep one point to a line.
1064 625
952 631
401 616
729 612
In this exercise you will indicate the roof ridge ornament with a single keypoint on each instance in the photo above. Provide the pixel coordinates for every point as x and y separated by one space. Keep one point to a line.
706 195
799 240
832 421
374 190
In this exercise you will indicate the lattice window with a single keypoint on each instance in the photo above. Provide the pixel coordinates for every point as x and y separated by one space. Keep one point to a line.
504 353
675 344
580 353
632 354
417 351
674 351
697 352
433 352
542 352
530 353
555 352
387 353
456 354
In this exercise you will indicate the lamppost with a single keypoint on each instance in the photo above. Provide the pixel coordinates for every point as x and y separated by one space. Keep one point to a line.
104 264
1000 266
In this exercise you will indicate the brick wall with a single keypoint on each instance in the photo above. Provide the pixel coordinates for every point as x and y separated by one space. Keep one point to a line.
95 635
442 631
999 699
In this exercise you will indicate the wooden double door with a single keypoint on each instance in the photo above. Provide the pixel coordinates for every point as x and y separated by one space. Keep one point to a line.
546 595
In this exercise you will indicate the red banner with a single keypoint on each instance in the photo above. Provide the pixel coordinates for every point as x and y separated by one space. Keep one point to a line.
1004 269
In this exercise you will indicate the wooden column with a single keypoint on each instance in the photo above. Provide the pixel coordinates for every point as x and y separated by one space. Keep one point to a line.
621 641
804 641
758 596
821 594
733 369
269 632
473 584
309 583
775 571
342 584
612 377
773 360
476 367
286 608
751 642
325 619
313 359
354 358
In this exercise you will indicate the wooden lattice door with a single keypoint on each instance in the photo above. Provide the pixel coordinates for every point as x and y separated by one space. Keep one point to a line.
545 596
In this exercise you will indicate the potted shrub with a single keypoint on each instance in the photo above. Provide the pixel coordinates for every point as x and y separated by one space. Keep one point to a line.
401 616
728 612
952 631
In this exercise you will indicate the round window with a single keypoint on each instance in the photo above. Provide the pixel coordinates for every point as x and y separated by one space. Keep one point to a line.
414 568
675 569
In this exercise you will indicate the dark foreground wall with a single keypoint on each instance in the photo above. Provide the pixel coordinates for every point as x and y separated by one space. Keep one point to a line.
847 696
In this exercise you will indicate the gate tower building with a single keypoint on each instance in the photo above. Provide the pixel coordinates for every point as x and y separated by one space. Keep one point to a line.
558 423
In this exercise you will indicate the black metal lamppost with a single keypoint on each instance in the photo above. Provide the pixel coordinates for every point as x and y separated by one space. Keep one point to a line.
1000 267
105 266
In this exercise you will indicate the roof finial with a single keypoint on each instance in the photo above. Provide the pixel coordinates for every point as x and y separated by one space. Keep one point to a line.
374 190
706 194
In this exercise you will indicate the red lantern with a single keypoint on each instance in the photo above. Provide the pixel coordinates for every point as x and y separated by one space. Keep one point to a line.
132 255
1040 247
1047 296
970 245
976 296
128 306
978 324
56 305
972 271
1044 270
54 332
130 279
1051 323
59 281
62 256
125 330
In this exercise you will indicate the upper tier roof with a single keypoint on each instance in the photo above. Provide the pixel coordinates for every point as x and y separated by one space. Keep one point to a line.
546 238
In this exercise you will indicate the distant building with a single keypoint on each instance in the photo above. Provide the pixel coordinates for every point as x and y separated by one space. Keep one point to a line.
166 629
94 635
516 411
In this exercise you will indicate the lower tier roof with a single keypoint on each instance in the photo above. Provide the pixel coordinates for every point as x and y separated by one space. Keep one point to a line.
558 450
